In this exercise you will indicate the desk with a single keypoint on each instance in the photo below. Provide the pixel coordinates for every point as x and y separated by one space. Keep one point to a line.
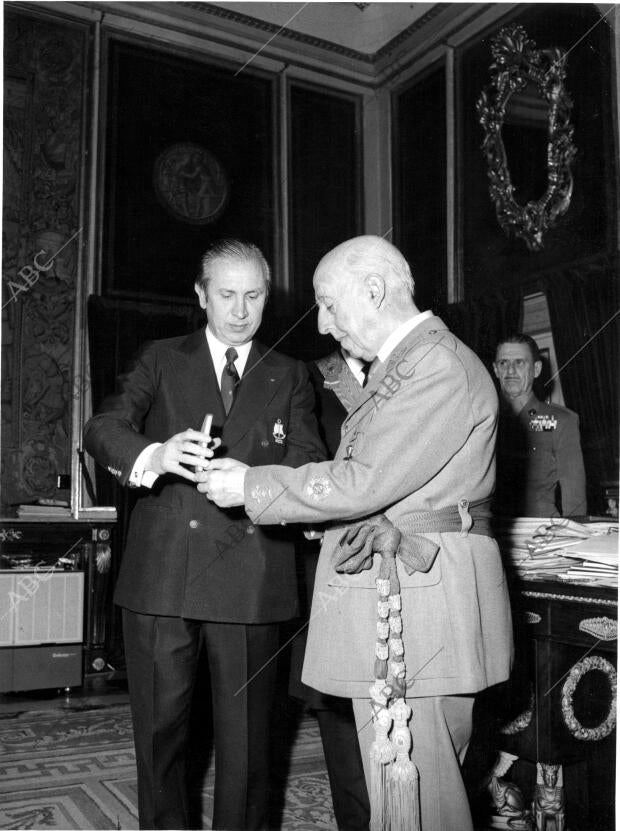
566 639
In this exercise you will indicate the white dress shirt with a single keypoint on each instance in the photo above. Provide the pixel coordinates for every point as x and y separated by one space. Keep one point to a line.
218 355
355 365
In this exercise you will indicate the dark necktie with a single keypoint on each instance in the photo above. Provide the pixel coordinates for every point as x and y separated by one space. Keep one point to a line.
230 379
365 371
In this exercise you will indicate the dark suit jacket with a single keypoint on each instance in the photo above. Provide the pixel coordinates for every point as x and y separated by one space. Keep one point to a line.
330 411
184 555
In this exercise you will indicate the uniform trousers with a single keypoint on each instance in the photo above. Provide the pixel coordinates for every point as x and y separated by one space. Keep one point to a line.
441 728
162 656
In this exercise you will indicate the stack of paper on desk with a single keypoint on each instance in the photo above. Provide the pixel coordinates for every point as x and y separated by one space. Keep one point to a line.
562 548
602 548
596 558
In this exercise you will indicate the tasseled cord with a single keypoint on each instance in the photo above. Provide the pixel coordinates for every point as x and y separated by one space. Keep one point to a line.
404 777
394 779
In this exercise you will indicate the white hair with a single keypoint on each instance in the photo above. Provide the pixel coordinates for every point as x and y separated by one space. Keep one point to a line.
374 255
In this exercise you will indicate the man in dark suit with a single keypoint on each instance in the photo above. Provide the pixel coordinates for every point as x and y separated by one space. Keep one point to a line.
192 573
337 380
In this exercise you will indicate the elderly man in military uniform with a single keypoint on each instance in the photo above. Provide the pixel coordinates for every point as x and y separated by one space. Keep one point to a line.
337 379
417 448
539 461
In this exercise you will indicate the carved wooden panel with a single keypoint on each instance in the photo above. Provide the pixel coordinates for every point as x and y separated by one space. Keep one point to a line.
44 77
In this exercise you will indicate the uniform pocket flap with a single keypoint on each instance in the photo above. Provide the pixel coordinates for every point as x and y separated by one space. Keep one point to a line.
366 579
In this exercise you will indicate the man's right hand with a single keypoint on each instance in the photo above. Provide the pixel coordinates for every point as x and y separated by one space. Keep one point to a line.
191 447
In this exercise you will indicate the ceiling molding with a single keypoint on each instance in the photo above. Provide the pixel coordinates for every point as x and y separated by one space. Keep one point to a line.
449 10
237 36
280 31
404 36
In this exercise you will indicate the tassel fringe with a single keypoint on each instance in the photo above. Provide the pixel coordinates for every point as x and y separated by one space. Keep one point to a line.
379 818
404 806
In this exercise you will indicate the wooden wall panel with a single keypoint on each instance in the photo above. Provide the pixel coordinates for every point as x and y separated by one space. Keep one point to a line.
44 78
420 227
158 101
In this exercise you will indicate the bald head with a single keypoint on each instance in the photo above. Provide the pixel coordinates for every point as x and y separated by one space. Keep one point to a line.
358 257
364 290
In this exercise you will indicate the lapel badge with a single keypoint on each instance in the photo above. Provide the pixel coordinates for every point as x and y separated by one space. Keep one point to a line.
278 432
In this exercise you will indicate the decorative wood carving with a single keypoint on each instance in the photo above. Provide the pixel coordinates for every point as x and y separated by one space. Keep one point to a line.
602 628
523 720
570 598
44 74
581 668
518 65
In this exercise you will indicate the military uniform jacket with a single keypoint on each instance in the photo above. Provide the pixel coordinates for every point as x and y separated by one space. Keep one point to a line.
537 450
335 389
184 555
421 436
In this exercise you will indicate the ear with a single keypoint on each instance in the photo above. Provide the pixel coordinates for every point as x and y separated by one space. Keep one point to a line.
495 370
375 286
537 368
202 297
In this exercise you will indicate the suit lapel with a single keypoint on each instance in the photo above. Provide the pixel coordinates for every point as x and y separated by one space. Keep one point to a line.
261 378
197 386
397 354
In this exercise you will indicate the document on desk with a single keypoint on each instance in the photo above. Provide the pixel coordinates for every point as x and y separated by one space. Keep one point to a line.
599 548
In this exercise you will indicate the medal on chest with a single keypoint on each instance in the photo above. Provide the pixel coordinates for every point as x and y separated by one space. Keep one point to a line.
542 423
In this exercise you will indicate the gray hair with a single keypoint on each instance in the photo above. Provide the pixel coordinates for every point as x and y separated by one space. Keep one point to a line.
232 249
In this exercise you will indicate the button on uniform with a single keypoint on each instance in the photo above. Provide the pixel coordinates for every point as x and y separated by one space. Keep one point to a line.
193 523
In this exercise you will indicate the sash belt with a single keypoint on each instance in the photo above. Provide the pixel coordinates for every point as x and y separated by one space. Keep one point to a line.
378 535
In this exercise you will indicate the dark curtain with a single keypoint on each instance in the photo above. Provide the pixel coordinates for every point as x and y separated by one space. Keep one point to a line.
481 322
116 329
583 306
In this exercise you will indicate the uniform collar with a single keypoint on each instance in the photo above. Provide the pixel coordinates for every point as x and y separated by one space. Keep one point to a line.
401 332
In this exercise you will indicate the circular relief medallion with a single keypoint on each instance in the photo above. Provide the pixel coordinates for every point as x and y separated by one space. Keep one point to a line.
190 183
589 734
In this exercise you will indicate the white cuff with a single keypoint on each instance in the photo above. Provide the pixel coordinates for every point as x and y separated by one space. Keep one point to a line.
141 475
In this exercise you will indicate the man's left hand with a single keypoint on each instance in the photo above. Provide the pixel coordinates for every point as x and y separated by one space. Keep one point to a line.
223 481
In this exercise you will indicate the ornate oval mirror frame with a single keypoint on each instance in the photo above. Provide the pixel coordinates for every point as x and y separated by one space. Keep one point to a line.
517 63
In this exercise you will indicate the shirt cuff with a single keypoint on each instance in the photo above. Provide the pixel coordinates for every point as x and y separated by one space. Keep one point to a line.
141 475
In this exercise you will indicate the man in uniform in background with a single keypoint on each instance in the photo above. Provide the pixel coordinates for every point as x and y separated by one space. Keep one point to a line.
417 447
192 574
540 468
